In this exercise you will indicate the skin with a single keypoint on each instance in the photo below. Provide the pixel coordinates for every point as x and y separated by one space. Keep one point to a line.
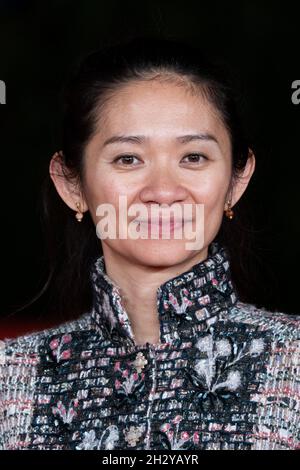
162 171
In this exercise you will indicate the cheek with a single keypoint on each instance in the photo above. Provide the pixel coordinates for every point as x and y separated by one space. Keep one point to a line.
101 188
211 189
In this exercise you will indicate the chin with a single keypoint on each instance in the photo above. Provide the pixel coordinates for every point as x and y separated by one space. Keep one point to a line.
161 252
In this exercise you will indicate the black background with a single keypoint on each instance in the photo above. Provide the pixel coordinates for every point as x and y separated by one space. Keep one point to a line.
40 41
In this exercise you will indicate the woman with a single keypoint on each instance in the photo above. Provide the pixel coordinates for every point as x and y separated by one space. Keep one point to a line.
167 356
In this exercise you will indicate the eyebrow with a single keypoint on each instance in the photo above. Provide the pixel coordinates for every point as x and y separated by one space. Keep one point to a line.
139 139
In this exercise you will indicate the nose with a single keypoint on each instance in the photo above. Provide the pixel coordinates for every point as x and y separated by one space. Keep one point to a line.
163 187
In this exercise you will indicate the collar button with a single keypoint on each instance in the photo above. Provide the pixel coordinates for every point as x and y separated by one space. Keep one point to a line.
140 362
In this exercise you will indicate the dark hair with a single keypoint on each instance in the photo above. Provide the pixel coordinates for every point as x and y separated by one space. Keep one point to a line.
71 247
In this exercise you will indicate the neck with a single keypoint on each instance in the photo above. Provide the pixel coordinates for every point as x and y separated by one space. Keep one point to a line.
138 286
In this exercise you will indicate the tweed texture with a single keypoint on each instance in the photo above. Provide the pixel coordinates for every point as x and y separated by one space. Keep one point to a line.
224 375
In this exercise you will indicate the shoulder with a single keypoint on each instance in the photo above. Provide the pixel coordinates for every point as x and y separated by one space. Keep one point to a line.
280 333
279 324
24 348
279 371
19 360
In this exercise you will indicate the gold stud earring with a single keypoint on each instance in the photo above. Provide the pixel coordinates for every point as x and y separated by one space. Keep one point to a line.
229 212
79 214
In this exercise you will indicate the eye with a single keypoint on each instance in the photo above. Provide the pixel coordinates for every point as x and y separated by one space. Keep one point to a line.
197 157
126 158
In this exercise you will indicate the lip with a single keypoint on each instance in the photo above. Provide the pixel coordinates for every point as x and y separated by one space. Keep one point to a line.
163 222
163 219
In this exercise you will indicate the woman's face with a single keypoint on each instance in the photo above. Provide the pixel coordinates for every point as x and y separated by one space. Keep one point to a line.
159 168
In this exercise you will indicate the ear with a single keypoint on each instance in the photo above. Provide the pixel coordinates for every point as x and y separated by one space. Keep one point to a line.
66 186
241 183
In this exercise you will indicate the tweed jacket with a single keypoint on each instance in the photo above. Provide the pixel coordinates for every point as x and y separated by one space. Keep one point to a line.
224 375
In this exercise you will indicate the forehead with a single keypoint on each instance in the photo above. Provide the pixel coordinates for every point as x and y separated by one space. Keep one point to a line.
160 109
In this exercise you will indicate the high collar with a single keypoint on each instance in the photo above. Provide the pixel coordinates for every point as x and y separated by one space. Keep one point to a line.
187 303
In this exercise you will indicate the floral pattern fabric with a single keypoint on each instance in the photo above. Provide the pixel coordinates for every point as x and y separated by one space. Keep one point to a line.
224 375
